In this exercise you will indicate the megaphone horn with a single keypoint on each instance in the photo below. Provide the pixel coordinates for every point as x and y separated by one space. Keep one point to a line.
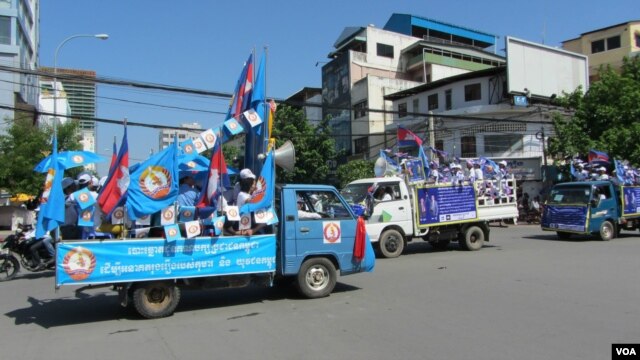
285 156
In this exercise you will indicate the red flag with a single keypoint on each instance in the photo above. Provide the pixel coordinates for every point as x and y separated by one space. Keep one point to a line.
117 183
361 237
217 180
408 138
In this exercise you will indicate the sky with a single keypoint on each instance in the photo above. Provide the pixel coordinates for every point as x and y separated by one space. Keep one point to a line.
202 44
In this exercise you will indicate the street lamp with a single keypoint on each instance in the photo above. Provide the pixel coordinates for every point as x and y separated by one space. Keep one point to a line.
55 73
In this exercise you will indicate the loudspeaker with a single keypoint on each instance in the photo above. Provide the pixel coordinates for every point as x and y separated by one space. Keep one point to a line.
285 156
382 168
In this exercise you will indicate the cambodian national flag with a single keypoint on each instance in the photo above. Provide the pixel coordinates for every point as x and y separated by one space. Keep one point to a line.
217 180
598 157
51 214
263 196
407 138
115 188
241 100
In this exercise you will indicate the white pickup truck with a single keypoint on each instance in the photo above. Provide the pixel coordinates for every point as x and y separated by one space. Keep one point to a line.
438 213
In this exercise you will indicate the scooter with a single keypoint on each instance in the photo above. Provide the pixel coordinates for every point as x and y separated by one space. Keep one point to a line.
16 250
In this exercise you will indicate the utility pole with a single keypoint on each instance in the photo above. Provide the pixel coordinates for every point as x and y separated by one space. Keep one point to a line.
432 132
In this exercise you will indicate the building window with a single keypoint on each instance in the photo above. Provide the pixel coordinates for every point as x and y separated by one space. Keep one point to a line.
402 110
472 92
432 101
385 50
503 143
5 30
361 145
468 146
447 100
613 42
637 39
359 109
597 46
416 105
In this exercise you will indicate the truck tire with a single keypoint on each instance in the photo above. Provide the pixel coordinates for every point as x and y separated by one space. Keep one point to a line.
563 235
9 267
391 243
155 300
472 239
607 231
317 278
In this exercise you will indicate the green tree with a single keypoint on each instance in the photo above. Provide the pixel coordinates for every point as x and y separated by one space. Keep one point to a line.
24 146
314 146
606 118
353 170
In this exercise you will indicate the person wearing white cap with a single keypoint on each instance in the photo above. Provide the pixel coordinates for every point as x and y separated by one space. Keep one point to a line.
246 187
580 173
317 204
302 214
602 173
457 177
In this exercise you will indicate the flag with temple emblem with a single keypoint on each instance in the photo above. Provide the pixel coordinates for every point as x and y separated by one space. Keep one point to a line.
408 138
241 99
115 187
216 181
598 158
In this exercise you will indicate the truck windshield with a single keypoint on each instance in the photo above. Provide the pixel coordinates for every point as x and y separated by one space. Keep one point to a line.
570 195
356 193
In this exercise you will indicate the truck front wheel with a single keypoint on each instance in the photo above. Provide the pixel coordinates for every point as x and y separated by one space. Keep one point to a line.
607 230
317 278
156 299
391 243
472 239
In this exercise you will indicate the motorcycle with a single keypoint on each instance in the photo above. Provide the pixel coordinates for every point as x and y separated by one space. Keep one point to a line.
15 250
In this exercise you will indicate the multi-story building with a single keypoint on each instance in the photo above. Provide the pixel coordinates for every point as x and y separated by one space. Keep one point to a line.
19 44
191 131
76 99
309 100
489 113
607 46
369 63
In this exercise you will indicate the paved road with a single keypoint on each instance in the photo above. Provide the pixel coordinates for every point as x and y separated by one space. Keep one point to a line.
525 295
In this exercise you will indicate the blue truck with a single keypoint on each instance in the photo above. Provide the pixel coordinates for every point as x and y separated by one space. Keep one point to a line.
149 273
591 208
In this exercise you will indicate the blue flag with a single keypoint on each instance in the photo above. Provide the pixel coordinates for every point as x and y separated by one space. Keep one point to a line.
263 196
154 185
51 214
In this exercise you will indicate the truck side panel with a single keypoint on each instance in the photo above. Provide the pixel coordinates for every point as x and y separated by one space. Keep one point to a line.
129 260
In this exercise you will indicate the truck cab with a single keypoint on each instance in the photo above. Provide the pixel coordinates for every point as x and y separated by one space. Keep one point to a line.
588 207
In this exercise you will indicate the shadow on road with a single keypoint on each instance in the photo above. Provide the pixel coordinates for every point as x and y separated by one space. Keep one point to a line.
89 308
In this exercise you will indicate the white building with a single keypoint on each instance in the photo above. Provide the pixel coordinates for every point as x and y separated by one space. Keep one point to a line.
19 44
369 63
498 113
191 131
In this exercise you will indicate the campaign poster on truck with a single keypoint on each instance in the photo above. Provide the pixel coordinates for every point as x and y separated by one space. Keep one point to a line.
572 218
90 262
630 200
447 204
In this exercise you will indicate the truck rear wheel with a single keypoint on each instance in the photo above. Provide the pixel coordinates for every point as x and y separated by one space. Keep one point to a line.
391 243
607 230
156 299
317 278
473 239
